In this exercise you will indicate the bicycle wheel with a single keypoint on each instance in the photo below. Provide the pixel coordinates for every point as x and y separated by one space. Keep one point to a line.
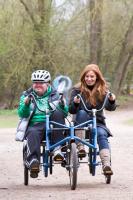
92 160
26 171
108 179
46 169
51 164
73 166
26 176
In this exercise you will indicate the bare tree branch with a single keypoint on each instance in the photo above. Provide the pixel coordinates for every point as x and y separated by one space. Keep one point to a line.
124 58
29 12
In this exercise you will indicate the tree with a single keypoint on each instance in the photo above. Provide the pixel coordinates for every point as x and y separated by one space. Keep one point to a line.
125 56
40 18
95 30
62 39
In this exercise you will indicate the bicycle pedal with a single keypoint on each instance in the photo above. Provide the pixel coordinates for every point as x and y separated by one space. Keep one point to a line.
81 155
107 171
58 157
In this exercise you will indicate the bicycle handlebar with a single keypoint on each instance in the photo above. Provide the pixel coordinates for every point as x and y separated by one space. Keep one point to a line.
106 97
31 96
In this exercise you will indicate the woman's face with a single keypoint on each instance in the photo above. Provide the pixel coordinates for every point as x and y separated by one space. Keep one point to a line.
90 78
40 88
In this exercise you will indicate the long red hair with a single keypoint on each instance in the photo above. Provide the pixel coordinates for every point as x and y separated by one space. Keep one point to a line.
99 89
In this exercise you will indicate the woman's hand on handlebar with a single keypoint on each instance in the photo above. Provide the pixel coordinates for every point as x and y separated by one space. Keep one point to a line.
111 97
76 100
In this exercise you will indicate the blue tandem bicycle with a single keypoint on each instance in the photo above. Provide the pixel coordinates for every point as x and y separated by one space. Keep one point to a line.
71 159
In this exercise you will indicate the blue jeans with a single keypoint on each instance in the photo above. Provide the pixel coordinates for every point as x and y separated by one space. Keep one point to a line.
102 133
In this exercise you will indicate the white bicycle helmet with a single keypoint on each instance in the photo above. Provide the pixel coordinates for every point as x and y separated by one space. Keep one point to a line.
41 75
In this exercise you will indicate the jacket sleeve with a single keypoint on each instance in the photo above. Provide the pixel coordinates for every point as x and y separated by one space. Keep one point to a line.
73 107
63 108
110 105
23 110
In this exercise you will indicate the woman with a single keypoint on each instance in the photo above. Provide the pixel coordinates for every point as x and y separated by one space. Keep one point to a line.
93 89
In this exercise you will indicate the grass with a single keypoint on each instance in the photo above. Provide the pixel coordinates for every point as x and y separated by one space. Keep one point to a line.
125 100
8 118
129 122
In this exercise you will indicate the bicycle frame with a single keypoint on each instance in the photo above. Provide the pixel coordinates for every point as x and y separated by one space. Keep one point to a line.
71 137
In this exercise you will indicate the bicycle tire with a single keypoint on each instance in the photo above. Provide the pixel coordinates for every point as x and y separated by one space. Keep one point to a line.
92 158
51 165
73 166
108 179
90 161
46 166
26 171
26 175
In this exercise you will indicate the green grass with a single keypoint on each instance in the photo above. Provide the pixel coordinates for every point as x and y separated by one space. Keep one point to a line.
129 122
125 100
8 118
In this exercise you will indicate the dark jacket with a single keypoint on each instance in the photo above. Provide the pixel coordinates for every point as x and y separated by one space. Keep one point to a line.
74 108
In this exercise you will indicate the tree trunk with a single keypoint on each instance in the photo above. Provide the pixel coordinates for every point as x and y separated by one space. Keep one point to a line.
129 80
40 53
125 56
95 30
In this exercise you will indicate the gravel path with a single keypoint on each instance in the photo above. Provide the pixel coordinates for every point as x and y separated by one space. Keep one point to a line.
56 186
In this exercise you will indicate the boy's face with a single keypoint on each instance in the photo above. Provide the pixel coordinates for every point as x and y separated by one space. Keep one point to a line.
40 88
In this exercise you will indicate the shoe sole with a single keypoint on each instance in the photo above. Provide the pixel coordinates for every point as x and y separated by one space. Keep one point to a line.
58 158
107 171
34 171
82 154
33 174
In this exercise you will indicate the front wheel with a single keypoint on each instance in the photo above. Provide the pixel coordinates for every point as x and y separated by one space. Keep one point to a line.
73 166
51 164
92 161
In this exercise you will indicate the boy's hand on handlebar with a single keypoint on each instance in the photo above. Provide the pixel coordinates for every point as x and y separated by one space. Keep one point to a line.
111 97
76 99
27 100
62 102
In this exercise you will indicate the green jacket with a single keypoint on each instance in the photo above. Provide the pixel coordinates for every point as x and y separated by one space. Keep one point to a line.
44 102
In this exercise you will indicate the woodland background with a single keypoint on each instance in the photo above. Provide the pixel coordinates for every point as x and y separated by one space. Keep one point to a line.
63 36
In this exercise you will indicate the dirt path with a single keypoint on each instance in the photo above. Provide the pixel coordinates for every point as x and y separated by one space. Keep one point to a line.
56 186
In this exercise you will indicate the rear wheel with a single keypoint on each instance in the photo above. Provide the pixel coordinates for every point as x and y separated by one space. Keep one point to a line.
26 170
108 179
26 175
73 166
